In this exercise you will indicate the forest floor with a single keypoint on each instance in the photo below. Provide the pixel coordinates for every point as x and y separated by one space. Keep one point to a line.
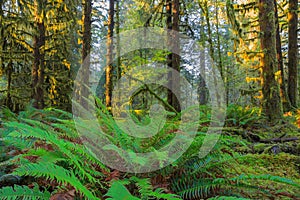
272 150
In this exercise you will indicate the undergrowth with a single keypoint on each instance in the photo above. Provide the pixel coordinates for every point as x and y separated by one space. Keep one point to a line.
51 159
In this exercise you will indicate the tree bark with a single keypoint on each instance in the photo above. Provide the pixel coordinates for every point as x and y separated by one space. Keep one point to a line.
271 103
175 57
202 90
284 97
220 61
9 81
170 55
86 49
38 68
292 52
109 56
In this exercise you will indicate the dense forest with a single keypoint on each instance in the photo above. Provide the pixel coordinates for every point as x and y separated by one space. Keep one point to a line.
149 99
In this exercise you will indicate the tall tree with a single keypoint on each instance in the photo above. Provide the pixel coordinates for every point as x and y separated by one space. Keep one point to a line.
202 91
292 51
109 55
86 48
175 56
173 59
271 103
38 68
284 96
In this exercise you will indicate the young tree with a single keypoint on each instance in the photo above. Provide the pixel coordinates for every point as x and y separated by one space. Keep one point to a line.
292 51
271 103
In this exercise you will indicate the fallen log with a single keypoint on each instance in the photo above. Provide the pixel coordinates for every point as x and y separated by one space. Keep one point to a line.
278 140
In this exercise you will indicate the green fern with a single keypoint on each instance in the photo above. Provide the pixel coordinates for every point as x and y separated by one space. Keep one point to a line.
23 193
118 190
53 172
68 162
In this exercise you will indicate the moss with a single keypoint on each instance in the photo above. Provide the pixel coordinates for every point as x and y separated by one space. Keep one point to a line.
260 147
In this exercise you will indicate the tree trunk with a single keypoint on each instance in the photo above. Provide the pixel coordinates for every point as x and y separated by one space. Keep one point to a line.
170 55
220 61
271 103
109 56
9 81
39 56
293 52
86 49
176 58
202 90
205 10
283 93
119 70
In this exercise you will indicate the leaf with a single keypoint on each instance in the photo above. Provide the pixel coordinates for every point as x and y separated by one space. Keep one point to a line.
117 191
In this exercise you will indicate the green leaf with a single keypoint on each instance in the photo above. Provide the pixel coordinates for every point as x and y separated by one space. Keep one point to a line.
117 191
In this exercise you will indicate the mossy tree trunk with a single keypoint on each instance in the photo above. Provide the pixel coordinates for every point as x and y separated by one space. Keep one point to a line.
86 48
271 102
38 68
175 57
292 52
109 56
283 92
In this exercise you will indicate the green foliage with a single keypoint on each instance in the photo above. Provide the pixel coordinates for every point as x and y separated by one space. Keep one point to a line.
220 173
118 190
23 193
52 151
240 116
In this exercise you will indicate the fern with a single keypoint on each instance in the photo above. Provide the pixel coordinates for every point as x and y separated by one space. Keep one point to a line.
23 193
203 187
53 172
118 190
68 162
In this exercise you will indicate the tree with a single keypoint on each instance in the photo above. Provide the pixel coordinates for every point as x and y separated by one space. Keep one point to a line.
38 68
292 51
271 103
284 96
173 58
109 54
86 48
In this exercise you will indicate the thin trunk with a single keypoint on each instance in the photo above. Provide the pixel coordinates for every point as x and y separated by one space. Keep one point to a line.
220 63
169 56
38 54
271 103
86 49
176 57
293 52
118 48
202 90
202 86
9 80
109 56
284 97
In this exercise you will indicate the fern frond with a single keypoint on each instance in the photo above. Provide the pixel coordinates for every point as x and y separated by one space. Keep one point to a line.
53 172
24 193
227 198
